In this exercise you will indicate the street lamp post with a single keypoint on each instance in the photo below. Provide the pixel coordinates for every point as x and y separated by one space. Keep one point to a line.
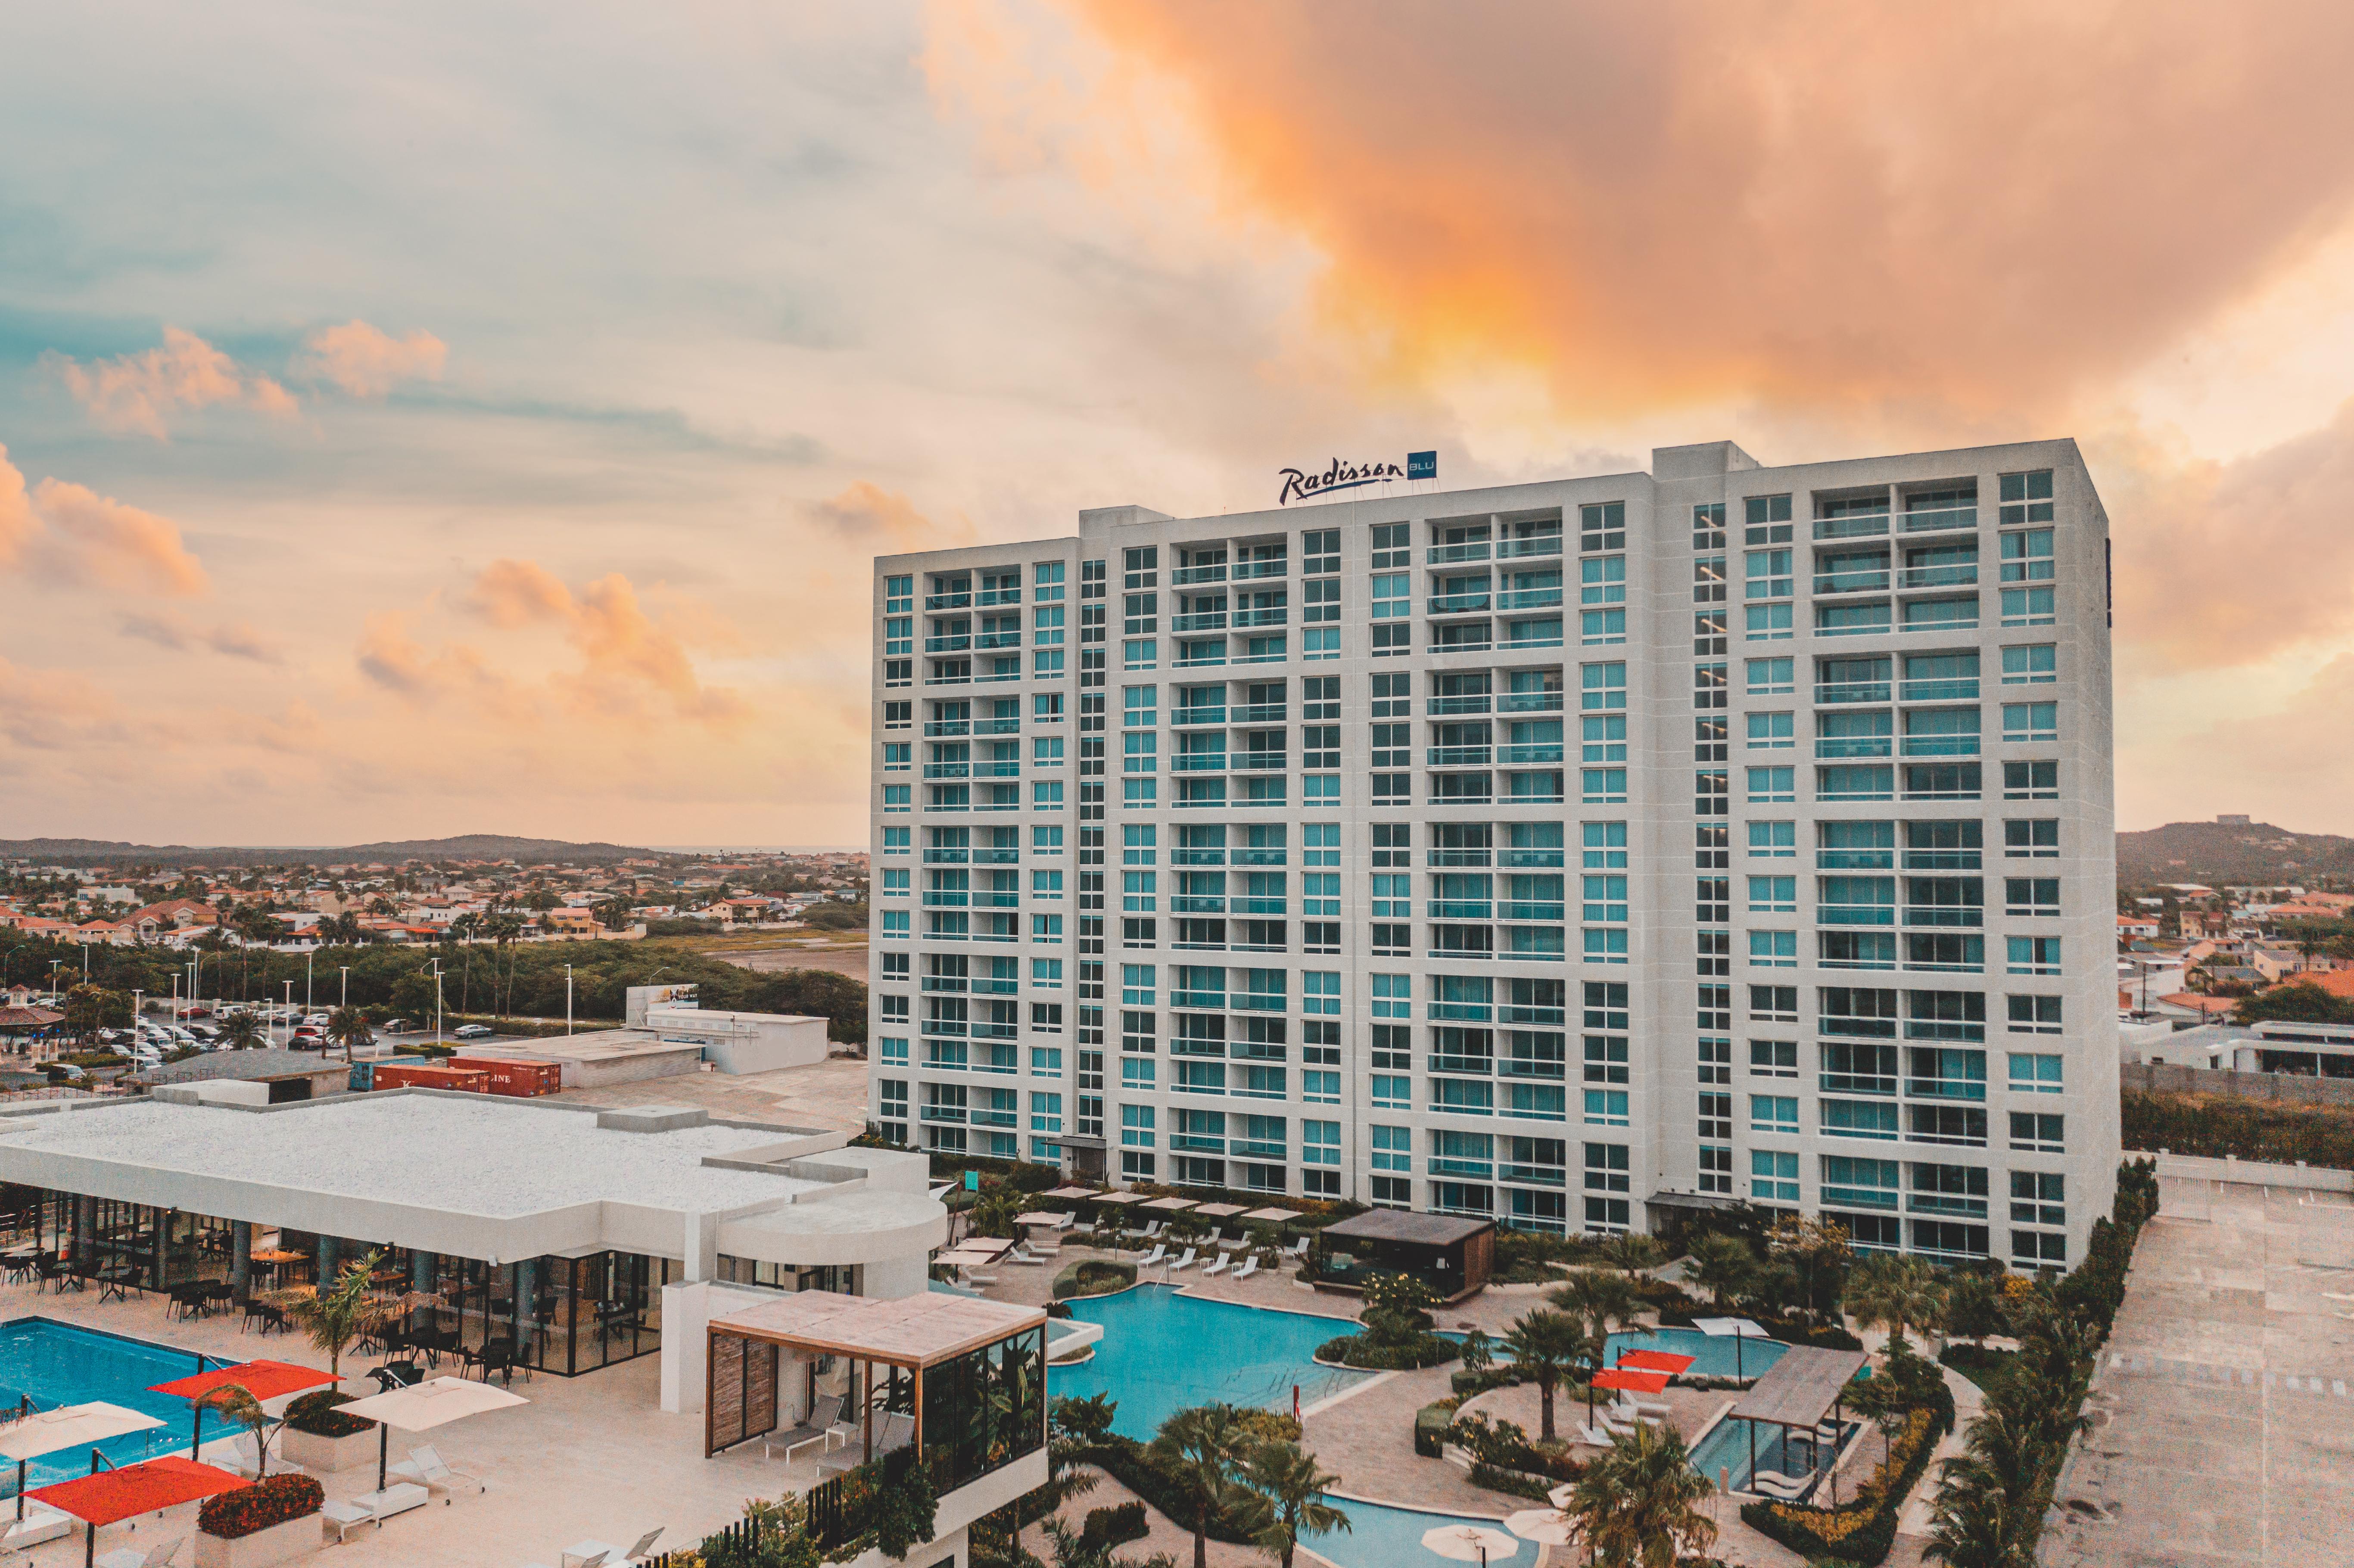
345 999
567 999
289 1015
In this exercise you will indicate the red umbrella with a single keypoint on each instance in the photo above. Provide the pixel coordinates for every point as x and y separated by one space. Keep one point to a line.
110 1496
1632 1382
1656 1360
263 1379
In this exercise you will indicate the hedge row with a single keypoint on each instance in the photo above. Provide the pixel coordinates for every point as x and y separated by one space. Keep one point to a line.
274 1499
2217 1125
1859 1533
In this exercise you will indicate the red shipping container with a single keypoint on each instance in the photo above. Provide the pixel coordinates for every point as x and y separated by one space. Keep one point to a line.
432 1075
523 1079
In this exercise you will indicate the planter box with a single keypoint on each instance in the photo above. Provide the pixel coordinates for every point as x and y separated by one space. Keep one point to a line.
279 1543
329 1456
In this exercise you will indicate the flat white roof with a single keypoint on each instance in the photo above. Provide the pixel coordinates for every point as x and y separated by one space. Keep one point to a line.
468 1155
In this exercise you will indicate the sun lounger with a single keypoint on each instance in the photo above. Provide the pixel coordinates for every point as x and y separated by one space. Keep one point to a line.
1184 1262
132 1557
1224 1260
819 1429
1773 1484
427 1468
604 1554
1160 1250
1299 1248
1249 1268
1022 1254
1630 1408
973 1278
241 1460
41 1522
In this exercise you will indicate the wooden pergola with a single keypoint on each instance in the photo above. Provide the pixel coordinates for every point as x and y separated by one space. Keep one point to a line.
907 1333
1797 1393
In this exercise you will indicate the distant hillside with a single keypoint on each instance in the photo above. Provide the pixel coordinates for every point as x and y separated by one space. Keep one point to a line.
2219 854
465 846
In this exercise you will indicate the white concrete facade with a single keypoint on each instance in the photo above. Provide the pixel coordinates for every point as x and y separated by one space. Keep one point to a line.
1834 989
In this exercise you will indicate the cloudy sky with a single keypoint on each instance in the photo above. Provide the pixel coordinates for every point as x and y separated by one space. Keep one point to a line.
439 418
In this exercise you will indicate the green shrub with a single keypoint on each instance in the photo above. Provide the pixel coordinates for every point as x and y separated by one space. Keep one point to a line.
315 1414
1864 1530
1432 1424
1360 1351
1115 1526
2215 1126
1976 1362
274 1499
1512 1482
1125 1460
1092 1276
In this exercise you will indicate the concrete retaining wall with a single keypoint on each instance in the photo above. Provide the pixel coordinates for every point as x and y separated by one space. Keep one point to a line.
2159 1077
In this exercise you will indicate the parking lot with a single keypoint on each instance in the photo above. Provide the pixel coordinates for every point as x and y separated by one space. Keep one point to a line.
2223 1407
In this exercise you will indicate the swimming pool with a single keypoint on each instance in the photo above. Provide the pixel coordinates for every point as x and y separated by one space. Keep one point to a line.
1162 1352
1724 1454
56 1363
1380 1536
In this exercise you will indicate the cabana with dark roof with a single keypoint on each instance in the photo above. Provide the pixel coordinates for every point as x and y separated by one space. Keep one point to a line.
961 1386
1798 1393
1451 1255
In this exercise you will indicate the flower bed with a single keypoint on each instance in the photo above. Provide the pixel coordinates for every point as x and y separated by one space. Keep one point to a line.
249 1509
1862 1530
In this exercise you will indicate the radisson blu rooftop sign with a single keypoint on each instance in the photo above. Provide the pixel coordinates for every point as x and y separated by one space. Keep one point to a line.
1299 486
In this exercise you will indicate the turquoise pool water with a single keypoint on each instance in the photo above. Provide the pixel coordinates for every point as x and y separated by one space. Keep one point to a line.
1726 1449
56 1363
1162 1352
1380 1536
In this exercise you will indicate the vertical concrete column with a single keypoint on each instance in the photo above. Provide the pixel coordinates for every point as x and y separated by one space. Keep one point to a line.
330 1259
526 1306
85 1221
240 1256
420 1270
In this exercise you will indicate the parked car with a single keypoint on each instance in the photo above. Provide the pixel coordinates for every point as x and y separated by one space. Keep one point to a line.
472 1031
395 1026
317 1021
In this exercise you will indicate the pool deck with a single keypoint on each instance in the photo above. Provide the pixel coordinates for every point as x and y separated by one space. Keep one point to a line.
589 1456
1367 1437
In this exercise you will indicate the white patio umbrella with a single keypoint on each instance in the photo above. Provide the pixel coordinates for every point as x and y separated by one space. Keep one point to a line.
1547 1527
1471 1543
67 1426
421 1406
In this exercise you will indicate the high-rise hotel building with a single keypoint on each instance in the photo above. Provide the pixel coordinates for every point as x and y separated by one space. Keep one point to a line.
1564 852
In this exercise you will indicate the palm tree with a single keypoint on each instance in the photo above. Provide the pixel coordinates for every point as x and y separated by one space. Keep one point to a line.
1895 1291
348 1027
614 914
333 1318
1723 1266
1291 1487
1546 1345
1200 1450
1602 1302
1633 1253
1638 1504
242 1030
233 1402
1978 1525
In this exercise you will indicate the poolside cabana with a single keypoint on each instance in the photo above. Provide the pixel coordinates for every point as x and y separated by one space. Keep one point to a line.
1798 1393
959 1379
1451 1255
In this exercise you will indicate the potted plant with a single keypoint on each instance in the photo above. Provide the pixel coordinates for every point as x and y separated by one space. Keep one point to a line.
320 1438
273 1521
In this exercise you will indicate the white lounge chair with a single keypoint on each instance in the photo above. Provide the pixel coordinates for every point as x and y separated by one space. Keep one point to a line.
427 1468
1627 1406
817 1429
1224 1259
1249 1268
1160 1250
1215 1238
1300 1248
1184 1262
1023 1254
606 1555
132 1557
242 1459
41 1522
972 1277
1152 1230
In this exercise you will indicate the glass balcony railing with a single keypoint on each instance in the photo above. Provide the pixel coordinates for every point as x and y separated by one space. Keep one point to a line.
1854 746
948 601
1946 1088
1460 909
1256 761
1540 912
1197 857
1529 599
1850 582
1940 577
1185 906
1525 703
1278 615
947 727
1531 857
1260 713
1852 692
998 596
1855 914
988 640
1940 518
1964 689
1198 762
1447 555
945 856
1970 914
1209 620
1274 568
1941 745
1459 603
1535 544
1861 526
997 770
1184 717
1211 574
1455 857
944 900
948 771
1260 857
1477 704
1459 755
947 645
1539 753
